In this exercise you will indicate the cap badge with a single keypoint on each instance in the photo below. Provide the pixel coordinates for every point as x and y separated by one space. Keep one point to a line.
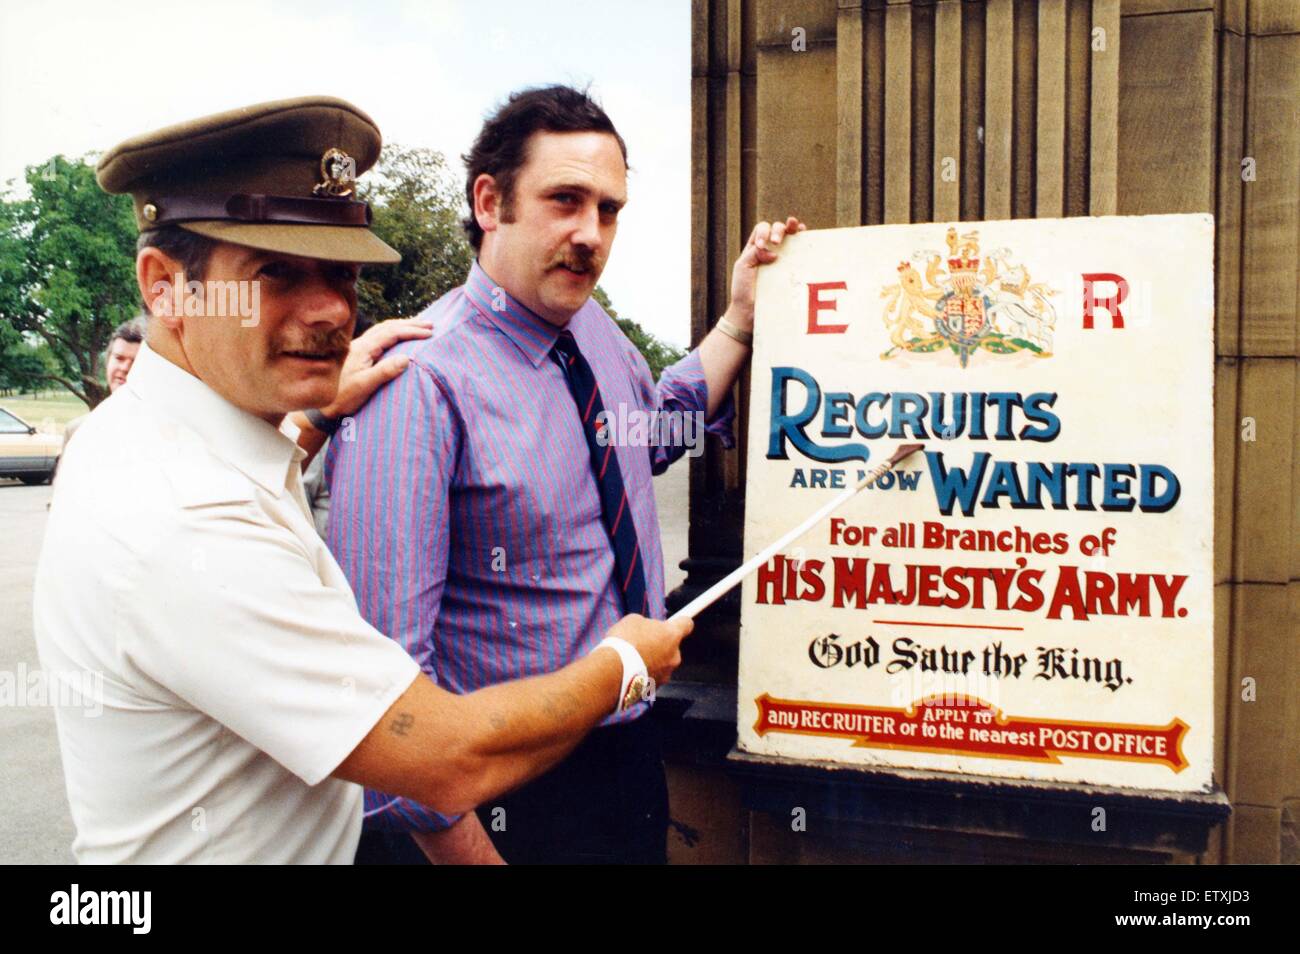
339 172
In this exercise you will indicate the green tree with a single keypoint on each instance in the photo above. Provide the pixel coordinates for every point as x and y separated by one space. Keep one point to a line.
67 268
10 363
658 354
24 366
416 203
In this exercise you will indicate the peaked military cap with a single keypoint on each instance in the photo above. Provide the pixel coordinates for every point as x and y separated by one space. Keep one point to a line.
277 176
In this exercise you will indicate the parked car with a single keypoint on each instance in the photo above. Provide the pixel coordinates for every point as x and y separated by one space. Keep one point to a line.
26 453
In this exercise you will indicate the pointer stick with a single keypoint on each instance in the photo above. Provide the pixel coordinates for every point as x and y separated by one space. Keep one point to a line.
719 589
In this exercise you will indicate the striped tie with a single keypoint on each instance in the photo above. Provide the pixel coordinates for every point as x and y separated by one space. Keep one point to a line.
609 479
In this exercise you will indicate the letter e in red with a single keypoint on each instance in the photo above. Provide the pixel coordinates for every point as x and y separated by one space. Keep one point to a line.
816 303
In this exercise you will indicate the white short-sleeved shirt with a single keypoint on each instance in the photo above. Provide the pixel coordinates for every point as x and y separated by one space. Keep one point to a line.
181 565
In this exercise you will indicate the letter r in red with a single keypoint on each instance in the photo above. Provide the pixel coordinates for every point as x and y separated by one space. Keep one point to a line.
816 303
1111 304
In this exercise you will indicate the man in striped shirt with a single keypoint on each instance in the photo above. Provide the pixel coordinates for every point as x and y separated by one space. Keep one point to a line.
487 509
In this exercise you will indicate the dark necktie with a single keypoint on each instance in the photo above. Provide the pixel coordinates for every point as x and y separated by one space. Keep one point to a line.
629 573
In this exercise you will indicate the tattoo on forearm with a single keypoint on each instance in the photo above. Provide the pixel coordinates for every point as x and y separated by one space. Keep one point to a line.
560 705
401 724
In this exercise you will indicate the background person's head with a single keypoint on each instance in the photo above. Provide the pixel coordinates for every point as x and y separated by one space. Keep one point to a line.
547 177
121 351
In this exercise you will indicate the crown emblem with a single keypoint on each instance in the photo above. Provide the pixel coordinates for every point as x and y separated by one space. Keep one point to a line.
979 303
964 252
338 174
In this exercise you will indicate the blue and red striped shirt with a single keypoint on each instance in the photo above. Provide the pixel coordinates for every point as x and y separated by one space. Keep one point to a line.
463 506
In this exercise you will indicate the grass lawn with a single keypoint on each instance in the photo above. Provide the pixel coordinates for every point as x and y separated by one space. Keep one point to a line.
47 413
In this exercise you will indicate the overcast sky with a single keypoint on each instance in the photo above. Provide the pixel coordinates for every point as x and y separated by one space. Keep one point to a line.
78 76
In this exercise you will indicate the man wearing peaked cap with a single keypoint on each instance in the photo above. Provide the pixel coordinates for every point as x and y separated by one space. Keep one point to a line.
228 700
256 200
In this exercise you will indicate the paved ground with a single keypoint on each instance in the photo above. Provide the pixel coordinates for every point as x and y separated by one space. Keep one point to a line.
35 826
671 492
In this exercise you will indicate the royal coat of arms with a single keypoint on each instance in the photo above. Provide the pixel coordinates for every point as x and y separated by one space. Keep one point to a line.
972 305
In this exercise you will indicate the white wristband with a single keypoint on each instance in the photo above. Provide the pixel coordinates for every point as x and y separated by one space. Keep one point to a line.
734 331
636 685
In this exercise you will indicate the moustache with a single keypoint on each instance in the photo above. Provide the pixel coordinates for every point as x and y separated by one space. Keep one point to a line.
333 344
578 260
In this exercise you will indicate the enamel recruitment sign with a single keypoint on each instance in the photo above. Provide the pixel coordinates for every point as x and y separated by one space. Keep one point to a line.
1030 595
